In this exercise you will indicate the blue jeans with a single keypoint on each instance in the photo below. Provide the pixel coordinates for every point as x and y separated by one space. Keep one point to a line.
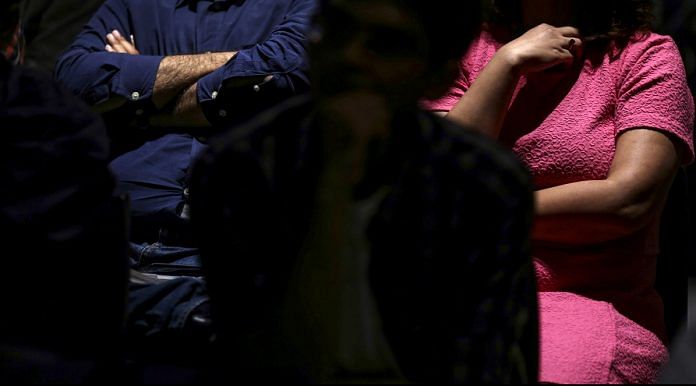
165 307
161 259
159 313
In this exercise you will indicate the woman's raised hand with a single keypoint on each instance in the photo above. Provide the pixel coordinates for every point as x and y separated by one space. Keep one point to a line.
541 48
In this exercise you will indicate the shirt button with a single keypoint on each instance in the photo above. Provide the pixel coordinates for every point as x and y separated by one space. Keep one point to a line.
257 88
135 96
214 94
222 113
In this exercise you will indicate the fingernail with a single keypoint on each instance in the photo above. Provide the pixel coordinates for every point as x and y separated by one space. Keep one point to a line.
117 34
110 36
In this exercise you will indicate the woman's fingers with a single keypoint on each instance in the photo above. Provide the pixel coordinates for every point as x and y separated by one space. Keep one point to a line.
566 43
566 56
572 41
572 45
570 32
543 47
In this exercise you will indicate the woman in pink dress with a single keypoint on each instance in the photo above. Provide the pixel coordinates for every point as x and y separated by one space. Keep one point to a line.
601 113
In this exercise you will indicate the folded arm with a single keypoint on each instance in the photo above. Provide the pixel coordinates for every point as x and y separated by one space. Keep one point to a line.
109 75
183 89
106 79
260 76
239 84
175 82
175 73
178 73
592 212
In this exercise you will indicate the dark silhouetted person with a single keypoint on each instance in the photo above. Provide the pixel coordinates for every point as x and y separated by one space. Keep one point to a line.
351 237
63 235
51 26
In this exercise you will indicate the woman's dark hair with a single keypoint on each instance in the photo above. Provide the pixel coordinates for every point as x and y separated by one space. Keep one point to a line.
601 21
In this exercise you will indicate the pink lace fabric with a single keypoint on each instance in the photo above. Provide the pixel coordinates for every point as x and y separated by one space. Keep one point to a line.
601 318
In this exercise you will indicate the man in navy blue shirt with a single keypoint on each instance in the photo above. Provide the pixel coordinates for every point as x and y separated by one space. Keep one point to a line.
169 73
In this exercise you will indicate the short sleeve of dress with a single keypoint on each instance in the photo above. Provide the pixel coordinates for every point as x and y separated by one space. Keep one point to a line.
653 92
451 98
480 53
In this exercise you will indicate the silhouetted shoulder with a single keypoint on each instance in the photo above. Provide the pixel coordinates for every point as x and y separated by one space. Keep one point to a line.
478 159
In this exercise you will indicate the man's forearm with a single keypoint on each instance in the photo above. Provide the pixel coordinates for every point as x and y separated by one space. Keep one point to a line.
188 110
177 73
185 112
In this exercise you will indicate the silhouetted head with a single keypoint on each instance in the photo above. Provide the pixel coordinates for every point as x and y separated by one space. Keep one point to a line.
403 49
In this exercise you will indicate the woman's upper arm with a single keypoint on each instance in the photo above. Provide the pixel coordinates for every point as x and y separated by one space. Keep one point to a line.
644 165
654 121
653 92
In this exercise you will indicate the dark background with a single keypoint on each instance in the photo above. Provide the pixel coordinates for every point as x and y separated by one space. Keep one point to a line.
678 19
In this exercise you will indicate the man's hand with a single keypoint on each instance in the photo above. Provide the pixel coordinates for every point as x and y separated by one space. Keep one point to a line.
117 43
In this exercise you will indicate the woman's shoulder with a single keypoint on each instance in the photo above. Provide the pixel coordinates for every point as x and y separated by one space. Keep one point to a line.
479 54
649 56
486 41
651 46
651 39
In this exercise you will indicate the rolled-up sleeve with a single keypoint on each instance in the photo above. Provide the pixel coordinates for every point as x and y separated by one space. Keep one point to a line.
96 75
263 74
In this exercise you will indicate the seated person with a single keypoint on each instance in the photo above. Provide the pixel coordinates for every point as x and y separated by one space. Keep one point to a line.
352 237
164 72
600 112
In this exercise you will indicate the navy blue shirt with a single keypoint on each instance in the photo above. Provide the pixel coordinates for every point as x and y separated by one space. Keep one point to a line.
269 35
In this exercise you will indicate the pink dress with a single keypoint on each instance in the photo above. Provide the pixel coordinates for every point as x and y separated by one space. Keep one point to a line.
601 319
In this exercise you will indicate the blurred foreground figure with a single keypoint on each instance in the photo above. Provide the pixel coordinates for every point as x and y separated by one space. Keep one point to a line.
351 237
63 236
50 26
